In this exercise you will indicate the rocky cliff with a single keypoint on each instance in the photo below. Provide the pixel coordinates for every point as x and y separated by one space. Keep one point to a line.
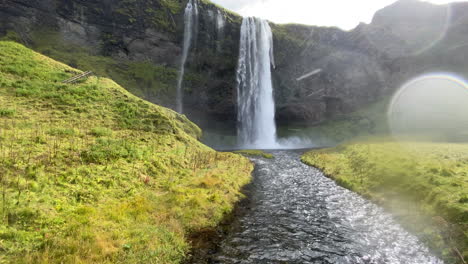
139 42
357 67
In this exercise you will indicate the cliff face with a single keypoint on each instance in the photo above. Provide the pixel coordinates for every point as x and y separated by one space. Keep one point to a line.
139 42
124 29
349 72
404 40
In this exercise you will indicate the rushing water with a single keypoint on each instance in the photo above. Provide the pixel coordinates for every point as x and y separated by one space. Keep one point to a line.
191 24
256 107
297 215
220 24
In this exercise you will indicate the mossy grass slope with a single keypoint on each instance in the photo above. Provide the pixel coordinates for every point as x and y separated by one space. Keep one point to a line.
92 174
423 184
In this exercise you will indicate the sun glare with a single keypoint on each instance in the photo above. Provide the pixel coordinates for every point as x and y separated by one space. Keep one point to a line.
431 107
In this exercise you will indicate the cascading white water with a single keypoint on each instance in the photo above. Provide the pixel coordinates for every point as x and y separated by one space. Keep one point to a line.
191 21
256 106
220 23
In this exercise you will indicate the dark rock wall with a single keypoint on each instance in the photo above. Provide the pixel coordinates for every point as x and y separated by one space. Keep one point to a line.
356 67
352 72
210 83
404 40
143 31
121 28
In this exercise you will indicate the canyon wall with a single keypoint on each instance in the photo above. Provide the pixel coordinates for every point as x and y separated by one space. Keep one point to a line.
139 44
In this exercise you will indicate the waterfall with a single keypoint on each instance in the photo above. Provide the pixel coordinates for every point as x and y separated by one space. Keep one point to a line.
191 26
256 107
220 23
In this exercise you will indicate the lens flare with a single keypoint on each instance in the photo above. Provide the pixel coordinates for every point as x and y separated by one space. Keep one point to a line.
413 28
440 27
432 107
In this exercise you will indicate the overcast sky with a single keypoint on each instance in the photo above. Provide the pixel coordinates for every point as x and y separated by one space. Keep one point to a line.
345 14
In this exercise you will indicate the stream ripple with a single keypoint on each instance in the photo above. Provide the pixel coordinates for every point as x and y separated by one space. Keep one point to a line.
297 215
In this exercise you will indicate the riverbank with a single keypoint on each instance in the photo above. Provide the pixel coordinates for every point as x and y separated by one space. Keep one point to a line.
423 184
92 174
205 243
295 214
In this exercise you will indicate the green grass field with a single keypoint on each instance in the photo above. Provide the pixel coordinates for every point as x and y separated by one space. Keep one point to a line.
425 185
92 174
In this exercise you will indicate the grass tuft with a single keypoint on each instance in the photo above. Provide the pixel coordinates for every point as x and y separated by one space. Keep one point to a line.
7 112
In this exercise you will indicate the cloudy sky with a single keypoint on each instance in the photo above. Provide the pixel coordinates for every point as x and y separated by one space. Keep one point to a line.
345 14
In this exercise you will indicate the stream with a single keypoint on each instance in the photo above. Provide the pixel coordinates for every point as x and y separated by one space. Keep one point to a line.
297 215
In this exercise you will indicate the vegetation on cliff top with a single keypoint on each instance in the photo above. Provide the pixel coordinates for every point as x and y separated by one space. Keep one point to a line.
412 179
157 13
92 174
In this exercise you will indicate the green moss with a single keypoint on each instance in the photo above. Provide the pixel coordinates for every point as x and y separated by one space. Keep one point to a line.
101 132
143 79
231 17
11 36
158 79
422 183
107 150
257 153
90 173
288 41
158 14
161 18
286 33
7 112
172 5
61 132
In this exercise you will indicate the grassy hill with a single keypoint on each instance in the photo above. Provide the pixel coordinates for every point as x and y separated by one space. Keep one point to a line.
92 174
423 184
